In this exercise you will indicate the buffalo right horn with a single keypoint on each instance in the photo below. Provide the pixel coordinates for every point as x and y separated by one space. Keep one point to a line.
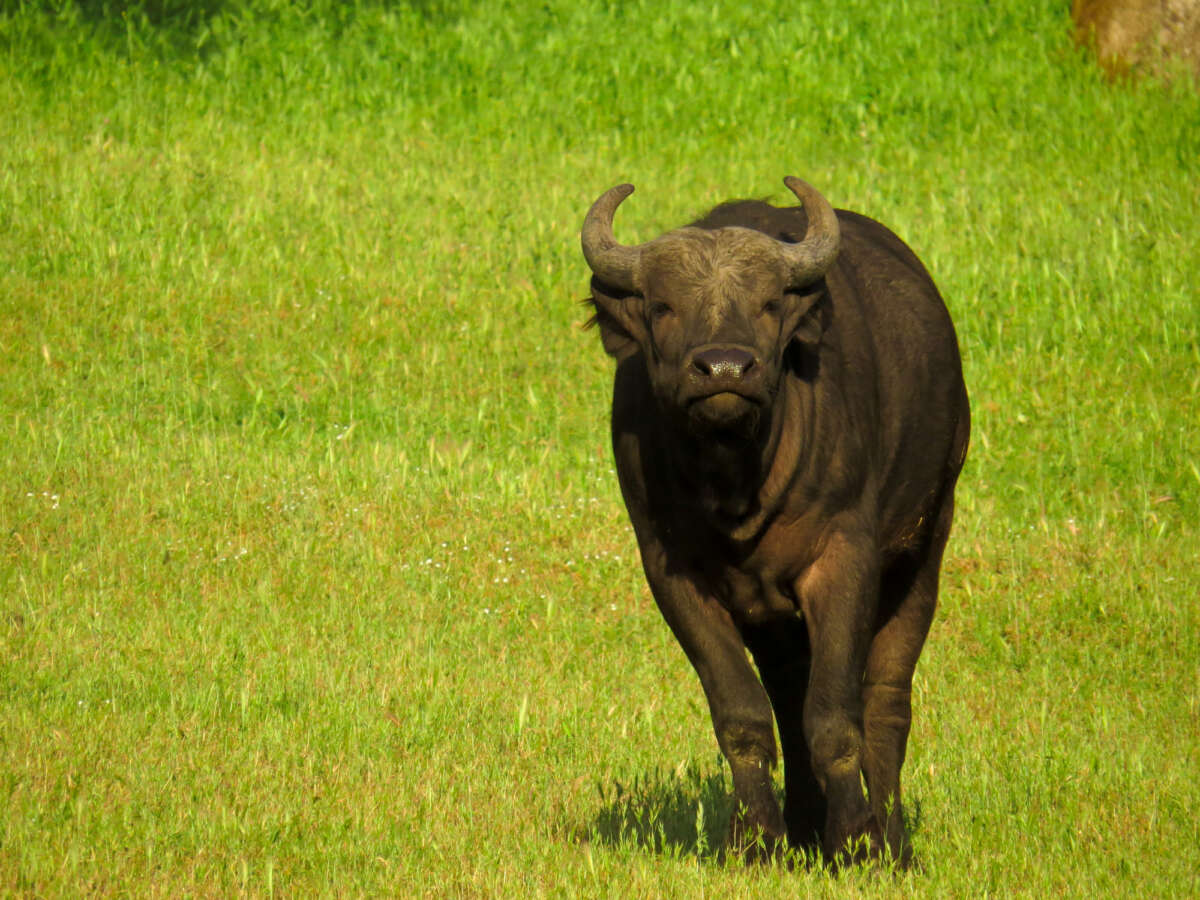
612 263
811 258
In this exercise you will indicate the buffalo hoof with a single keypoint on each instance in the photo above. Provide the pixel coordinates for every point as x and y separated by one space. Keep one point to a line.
754 840
755 847
862 843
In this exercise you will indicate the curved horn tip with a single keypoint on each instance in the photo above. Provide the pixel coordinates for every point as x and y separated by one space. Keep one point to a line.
608 259
606 204
620 190
618 193
810 258
797 185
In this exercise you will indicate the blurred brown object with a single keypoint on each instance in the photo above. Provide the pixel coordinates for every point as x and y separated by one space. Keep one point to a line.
1138 36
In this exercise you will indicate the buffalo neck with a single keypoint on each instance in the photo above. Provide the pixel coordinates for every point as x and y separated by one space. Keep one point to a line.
737 489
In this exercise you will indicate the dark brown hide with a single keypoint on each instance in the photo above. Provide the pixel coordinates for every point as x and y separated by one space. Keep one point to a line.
788 456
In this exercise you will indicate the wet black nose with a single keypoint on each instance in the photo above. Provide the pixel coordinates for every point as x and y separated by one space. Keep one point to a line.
723 362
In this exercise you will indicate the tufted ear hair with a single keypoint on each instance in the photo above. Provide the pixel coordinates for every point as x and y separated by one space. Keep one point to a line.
618 315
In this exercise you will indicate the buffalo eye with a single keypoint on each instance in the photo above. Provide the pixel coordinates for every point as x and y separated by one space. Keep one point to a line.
658 310
770 308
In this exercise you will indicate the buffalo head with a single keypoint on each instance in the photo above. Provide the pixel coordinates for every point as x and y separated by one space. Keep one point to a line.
711 311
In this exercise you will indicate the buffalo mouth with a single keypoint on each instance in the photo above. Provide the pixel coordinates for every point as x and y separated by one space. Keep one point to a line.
724 415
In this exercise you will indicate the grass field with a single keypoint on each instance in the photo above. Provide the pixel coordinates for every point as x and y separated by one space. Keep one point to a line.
314 575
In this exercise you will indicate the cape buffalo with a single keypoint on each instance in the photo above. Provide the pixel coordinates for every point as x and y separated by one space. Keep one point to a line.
789 420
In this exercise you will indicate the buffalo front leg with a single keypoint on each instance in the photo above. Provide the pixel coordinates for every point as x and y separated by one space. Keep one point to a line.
741 712
839 596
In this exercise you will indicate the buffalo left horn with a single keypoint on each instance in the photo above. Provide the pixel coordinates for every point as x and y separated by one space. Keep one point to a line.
612 263
811 258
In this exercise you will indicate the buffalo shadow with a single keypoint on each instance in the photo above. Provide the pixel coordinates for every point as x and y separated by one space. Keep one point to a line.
678 813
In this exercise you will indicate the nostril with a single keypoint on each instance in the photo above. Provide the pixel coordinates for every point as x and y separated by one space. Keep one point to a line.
723 362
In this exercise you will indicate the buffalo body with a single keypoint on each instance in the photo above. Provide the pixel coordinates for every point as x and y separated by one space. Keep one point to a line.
789 420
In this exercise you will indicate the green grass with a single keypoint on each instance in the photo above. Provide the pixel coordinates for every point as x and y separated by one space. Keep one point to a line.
314 576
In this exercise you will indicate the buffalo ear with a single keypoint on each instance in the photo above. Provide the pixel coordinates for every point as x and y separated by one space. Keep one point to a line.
806 318
805 324
618 315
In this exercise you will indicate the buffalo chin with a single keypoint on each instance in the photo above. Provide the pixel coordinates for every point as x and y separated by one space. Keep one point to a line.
724 417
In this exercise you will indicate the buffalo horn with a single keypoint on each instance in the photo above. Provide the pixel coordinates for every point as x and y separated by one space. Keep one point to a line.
609 261
811 258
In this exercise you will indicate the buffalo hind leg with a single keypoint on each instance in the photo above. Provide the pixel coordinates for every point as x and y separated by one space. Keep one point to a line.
783 657
907 602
